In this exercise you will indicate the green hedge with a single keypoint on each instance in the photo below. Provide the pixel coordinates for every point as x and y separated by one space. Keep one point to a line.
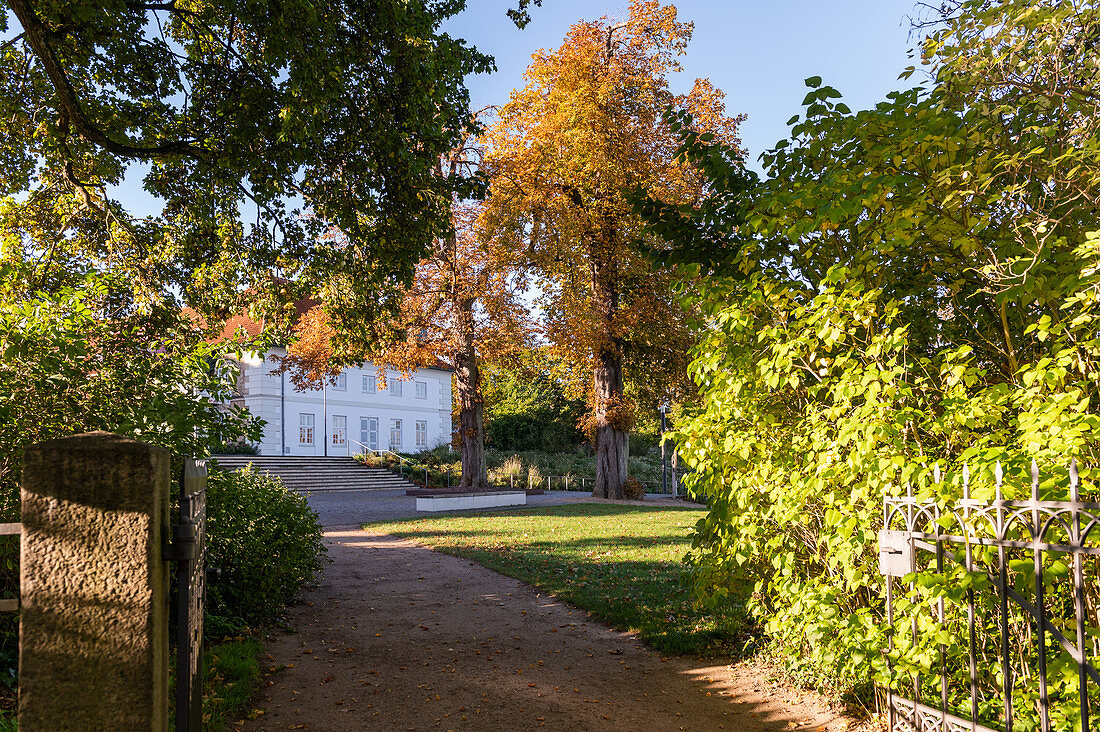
264 546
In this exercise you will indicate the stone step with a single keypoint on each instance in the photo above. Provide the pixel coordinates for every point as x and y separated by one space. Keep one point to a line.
303 473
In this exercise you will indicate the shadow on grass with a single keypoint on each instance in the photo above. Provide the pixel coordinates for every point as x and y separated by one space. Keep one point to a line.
623 564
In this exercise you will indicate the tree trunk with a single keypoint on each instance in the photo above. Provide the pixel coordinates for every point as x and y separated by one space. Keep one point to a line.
612 436
471 423
612 443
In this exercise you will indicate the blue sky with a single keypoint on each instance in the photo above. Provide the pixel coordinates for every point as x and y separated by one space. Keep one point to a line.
758 52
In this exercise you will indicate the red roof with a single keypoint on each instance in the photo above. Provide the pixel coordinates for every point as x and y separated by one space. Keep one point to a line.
243 321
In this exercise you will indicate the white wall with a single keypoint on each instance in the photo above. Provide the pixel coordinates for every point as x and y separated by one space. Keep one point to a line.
273 397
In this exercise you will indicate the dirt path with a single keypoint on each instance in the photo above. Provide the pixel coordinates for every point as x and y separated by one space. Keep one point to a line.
398 637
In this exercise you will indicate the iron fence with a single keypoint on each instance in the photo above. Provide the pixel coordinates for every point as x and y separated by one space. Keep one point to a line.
189 551
1016 581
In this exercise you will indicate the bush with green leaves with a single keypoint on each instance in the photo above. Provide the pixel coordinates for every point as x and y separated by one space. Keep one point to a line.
910 285
85 357
264 543
527 409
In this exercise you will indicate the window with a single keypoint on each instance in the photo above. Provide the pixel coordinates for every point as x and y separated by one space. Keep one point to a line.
305 429
339 430
421 390
395 434
421 435
340 383
370 385
395 387
368 432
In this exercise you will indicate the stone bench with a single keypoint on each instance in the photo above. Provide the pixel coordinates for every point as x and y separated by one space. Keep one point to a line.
458 502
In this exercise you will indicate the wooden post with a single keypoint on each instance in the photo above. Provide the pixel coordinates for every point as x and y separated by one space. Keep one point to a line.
93 641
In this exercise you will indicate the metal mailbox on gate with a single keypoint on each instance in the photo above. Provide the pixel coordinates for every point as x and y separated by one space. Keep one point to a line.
895 553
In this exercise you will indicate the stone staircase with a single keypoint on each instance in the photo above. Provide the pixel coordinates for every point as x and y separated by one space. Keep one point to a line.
318 473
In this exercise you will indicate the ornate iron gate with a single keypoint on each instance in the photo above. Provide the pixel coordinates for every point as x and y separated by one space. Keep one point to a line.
189 551
1029 643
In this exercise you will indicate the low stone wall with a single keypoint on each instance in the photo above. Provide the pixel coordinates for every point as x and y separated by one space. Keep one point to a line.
494 499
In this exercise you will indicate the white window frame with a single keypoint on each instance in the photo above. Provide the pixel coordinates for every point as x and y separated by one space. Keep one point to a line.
339 430
421 434
421 390
340 383
370 384
306 428
395 387
395 435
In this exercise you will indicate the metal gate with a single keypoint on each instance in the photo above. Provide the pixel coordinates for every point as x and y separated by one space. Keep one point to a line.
996 626
189 551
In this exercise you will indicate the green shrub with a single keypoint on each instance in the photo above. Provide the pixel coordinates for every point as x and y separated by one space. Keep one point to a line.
642 444
535 431
264 545
235 448
437 456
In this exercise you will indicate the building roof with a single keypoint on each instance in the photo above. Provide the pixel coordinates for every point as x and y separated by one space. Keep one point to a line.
244 321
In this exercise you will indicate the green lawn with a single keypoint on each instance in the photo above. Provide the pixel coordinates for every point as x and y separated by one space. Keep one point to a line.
620 563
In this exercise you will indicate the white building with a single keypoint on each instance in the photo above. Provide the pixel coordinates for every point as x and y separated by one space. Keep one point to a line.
346 418
413 413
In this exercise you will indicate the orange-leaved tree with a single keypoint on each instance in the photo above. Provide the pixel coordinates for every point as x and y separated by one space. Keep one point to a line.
464 306
563 157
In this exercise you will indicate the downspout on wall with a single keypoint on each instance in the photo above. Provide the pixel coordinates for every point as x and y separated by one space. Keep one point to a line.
282 408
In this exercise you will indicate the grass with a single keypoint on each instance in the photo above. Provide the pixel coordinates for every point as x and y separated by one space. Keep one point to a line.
623 564
231 673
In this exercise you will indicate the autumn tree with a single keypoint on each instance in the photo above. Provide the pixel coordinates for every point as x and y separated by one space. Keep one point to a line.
462 308
568 148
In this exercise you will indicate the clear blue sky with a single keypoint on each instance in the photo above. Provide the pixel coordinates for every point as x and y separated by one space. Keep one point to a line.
758 52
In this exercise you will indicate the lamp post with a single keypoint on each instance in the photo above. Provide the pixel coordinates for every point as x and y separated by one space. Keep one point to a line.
664 464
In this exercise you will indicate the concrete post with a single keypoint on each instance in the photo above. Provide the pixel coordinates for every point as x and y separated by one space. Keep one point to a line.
93 642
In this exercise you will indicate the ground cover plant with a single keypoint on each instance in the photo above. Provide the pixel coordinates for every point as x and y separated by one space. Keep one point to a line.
623 564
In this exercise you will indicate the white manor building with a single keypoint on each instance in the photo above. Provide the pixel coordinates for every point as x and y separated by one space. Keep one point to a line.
346 418
349 417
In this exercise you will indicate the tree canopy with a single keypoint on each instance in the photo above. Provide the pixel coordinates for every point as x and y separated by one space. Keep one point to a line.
257 126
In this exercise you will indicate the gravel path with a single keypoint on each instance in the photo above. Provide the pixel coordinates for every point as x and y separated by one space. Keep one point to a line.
398 637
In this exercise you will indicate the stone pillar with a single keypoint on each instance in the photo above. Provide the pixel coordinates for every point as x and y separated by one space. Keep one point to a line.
93 643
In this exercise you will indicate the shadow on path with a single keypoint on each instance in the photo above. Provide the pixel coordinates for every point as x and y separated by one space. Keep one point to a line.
398 637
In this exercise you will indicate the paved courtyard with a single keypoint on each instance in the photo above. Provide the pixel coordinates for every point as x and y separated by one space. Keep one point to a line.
350 509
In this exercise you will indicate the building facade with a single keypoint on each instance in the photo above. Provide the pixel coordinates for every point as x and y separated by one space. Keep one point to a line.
349 417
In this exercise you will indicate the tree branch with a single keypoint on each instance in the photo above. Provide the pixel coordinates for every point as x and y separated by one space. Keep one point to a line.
69 103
